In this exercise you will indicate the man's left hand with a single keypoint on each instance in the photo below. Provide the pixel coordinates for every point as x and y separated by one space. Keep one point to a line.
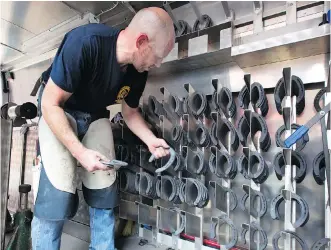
158 147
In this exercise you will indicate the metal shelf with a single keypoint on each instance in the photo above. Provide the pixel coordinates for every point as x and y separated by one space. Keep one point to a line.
219 45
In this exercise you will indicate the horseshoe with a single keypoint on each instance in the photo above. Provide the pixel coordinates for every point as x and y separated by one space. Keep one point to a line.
243 166
224 219
276 237
256 124
254 227
263 204
216 165
297 159
319 168
320 244
262 173
304 217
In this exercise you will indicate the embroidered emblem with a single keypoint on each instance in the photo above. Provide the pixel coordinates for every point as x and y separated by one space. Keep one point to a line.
124 91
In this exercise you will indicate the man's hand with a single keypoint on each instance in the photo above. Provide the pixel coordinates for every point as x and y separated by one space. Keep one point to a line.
158 147
90 160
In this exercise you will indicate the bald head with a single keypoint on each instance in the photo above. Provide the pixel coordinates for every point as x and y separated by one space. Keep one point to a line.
147 40
157 25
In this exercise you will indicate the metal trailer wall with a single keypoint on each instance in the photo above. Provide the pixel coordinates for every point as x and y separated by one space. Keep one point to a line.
312 71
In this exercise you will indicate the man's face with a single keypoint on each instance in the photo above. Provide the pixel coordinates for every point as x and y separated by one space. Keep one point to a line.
146 57
150 55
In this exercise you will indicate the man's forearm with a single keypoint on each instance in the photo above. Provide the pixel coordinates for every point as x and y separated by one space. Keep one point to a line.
139 127
60 126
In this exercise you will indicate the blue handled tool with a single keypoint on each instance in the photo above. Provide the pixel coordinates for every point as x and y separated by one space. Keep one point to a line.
299 133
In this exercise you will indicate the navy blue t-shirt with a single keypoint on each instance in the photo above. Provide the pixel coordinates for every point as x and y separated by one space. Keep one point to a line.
86 65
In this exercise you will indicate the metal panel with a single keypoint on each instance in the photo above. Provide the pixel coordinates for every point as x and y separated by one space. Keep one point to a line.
24 82
82 215
310 70
35 17
77 230
8 54
215 10
96 7
14 35
288 44
6 133
119 20
128 210
15 165
31 153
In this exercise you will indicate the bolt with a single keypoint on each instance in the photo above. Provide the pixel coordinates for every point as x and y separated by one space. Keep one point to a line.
322 113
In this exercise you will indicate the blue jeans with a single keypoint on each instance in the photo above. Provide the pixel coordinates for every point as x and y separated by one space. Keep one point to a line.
46 234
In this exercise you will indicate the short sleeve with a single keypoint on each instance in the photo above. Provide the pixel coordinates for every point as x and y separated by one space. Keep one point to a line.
68 65
137 81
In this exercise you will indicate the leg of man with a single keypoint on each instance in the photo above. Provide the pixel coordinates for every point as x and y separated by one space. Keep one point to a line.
46 234
102 224
57 198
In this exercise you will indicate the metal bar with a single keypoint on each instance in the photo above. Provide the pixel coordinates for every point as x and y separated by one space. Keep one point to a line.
290 171
10 47
24 133
196 10
226 182
176 238
254 144
129 6
291 12
72 8
174 117
226 9
281 10
326 6
318 116
198 211
327 150
107 10
257 17
169 10
257 5
293 172
6 141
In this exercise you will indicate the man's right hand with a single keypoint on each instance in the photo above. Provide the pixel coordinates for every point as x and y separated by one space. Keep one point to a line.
90 160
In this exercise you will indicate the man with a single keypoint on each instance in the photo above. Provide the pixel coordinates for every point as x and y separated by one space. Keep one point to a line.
95 66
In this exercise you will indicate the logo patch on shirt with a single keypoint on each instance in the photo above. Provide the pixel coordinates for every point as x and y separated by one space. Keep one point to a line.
124 91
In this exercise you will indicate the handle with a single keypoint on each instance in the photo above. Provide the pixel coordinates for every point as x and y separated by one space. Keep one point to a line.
168 164
152 158
113 163
293 138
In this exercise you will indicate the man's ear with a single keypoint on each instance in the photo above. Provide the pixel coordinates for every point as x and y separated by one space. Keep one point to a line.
143 38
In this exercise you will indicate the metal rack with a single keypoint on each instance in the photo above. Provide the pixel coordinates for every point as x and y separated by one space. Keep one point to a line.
252 144
289 116
169 220
225 182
